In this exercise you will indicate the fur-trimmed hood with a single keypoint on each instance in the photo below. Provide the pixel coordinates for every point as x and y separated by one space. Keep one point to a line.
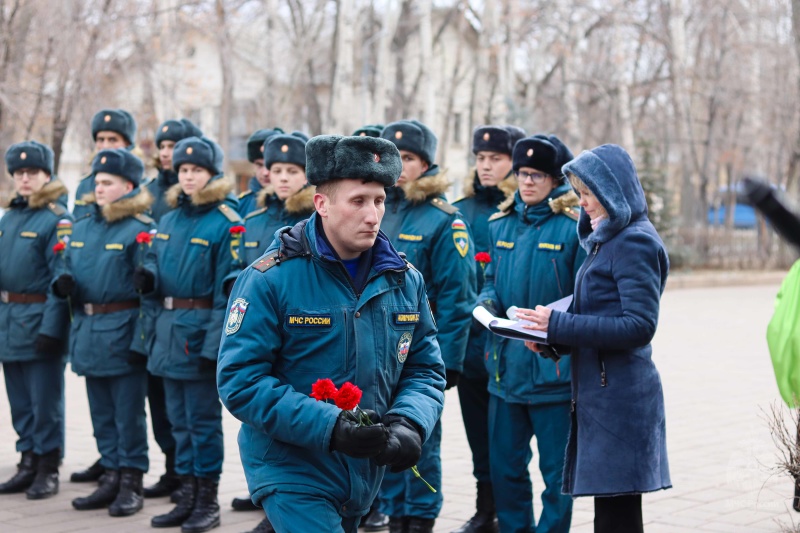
134 203
216 190
50 193
302 201
427 186
608 171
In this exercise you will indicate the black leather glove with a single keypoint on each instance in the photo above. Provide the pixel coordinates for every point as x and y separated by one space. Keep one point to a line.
404 447
452 378
207 365
136 358
227 287
143 280
755 191
64 286
358 441
48 346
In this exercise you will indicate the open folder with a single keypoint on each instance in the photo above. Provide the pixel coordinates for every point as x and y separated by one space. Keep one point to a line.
513 329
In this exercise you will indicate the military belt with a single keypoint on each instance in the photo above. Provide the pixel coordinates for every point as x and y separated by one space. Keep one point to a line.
19 298
171 303
115 307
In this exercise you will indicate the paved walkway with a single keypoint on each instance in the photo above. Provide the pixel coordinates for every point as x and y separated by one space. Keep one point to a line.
717 377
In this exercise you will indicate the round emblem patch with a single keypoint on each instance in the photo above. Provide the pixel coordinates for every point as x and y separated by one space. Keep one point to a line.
362 134
530 152
189 150
262 148
107 118
165 128
398 135
403 346
285 148
23 156
103 160
377 158
486 136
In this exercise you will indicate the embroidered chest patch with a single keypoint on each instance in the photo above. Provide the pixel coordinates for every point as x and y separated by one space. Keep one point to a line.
405 318
505 244
403 347
309 321
550 246
236 315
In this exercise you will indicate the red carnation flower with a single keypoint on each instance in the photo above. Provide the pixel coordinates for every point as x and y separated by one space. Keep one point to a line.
348 397
483 257
143 237
237 230
59 247
323 389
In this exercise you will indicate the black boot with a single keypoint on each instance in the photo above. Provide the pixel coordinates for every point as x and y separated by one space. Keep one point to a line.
183 509
206 509
129 501
420 525
398 524
26 471
167 484
485 519
374 521
265 526
92 473
244 504
103 496
45 484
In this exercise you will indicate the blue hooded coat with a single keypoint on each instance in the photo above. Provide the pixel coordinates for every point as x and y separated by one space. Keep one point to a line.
194 252
535 255
617 443
102 255
28 232
295 318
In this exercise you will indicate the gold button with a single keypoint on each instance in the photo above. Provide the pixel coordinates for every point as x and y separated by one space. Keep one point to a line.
165 128
107 118
23 156
189 150
398 135
285 148
103 160
358 314
486 136
530 152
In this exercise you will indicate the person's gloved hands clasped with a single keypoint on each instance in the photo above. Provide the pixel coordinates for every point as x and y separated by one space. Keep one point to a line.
143 280
48 346
64 286
358 441
405 444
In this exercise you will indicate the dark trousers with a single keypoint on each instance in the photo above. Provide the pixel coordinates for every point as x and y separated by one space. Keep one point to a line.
289 512
120 425
162 430
196 416
474 399
36 396
618 514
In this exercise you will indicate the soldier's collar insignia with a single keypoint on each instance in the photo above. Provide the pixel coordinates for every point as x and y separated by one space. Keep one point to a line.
236 315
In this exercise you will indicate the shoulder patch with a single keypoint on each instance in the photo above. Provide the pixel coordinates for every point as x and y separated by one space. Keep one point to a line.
144 219
229 213
444 206
499 215
256 212
245 193
265 263
56 209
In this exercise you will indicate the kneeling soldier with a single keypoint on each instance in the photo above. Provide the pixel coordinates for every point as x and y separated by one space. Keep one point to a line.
33 322
107 341
331 299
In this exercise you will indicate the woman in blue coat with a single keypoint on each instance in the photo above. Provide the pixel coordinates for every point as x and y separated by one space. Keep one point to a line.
617 444
107 339
288 198
195 250
33 321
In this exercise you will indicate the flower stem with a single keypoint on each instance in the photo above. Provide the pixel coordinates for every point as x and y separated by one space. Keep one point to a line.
416 473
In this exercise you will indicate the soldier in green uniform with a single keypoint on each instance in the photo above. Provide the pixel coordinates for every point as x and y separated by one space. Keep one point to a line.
33 321
491 183
436 240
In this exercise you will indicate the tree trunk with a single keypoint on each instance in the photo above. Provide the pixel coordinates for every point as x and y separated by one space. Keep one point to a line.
226 65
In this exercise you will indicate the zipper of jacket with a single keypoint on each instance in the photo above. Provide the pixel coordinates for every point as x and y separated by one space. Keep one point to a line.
558 278
578 284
